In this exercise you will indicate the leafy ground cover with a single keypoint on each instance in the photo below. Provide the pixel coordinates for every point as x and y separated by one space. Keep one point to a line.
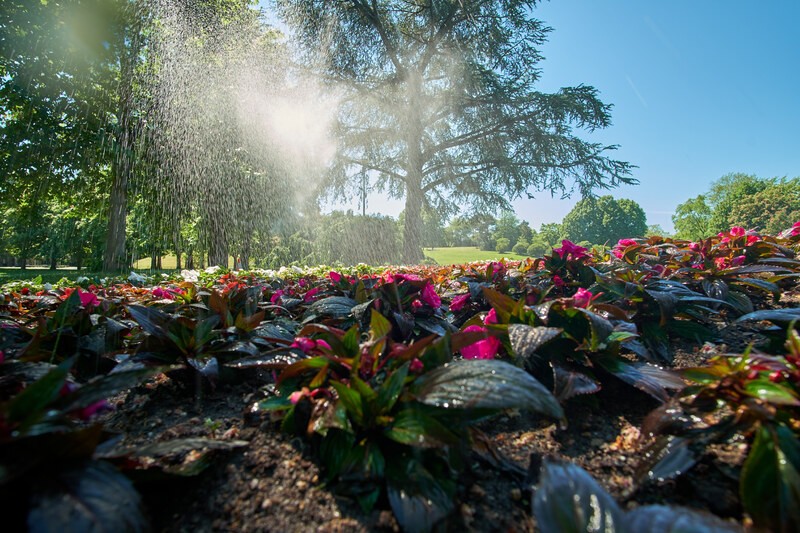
654 383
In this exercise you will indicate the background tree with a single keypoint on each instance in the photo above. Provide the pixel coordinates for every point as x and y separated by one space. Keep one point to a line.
439 101
692 219
770 210
604 220
726 193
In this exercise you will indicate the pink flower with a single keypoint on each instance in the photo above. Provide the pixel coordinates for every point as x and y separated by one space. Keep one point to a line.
722 262
491 317
416 305
309 296
304 344
570 248
163 294
624 243
335 276
738 260
2 356
429 296
416 366
88 300
459 302
498 269
557 281
737 231
298 395
694 246
276 296
583 298
483 349
795 229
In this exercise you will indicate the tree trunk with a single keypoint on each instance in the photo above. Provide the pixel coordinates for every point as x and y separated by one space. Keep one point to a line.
412 231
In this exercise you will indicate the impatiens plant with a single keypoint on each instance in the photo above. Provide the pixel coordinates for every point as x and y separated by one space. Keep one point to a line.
574 344
396 419
754 396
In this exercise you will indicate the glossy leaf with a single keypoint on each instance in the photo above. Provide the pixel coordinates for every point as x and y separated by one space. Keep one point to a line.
568 500
770 480
525 340
418 499
488 384
780 316
351 401
391 388
416 427
776 393
644 376
568 383
333 307
675 519
666 458
93 497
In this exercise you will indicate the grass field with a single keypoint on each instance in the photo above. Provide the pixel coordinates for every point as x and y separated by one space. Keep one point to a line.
443 256
466 254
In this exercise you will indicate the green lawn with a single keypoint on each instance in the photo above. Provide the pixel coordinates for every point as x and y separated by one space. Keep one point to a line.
466 254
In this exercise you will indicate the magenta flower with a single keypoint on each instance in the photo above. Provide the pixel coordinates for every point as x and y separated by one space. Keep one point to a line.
304 344
583 298
88 299
795 229
416 366
483 349
619 249
335 276
569 248
558 282
429 296
163 294
491 317
459 302
738 260
309 296
276 296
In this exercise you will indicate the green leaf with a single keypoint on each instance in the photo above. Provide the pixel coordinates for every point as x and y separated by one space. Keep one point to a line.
391 388
339 453
772 392
568 500
103 387
416 427
379 326
525 340
503 305
760 284
93 497
781 316
491 384
770 483
26 407
351 401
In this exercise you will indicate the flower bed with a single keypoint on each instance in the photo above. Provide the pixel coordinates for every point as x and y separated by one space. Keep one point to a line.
388 377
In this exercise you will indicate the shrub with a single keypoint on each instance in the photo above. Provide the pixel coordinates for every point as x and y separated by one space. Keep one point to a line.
503 245
521 247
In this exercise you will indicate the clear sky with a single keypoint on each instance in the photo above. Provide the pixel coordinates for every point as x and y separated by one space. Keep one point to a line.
700 88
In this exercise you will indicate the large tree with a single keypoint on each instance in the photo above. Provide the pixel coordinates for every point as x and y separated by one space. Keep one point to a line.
438 101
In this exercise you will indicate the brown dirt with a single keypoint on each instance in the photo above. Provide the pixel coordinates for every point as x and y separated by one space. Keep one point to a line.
272 484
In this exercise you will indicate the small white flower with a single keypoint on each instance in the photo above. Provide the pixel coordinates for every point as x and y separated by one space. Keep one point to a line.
81 279
211 269
48 286
190 275
137 278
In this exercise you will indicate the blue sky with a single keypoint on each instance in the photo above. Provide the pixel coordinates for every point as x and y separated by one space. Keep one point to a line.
700 88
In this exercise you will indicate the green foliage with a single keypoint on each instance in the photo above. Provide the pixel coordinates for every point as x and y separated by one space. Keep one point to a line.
753 395
604 220
502 245
770 210
692 219
351 239
395 418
